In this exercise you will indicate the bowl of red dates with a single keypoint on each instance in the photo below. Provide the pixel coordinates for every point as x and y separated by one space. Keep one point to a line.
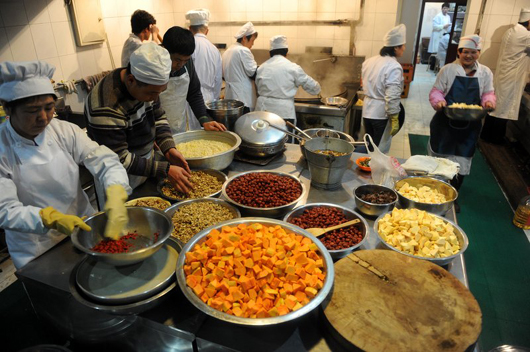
374 200
268 194
339 243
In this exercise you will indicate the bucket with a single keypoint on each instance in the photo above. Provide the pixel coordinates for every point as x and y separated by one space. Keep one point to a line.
327 170
225 111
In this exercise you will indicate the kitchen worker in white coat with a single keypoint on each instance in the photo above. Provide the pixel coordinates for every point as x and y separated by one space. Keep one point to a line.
41 198
206 57
510 78
239 67
184 87
278 79
382 77
441 24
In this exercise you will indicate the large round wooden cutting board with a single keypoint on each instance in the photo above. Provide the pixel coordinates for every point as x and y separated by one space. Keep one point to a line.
386 301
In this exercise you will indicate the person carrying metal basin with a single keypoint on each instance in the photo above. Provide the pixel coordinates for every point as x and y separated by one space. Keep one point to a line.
42 197
184 87
239 68
123 112
278 79
462 81
382 77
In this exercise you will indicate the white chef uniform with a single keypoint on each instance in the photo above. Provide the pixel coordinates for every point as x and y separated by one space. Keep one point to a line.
438 23
43 172
131 44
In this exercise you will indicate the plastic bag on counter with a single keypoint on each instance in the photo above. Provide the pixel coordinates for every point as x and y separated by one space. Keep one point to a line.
386 170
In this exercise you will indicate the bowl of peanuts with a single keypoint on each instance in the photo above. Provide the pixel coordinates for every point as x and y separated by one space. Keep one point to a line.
425 193
420 234
286 275
269 194
339 243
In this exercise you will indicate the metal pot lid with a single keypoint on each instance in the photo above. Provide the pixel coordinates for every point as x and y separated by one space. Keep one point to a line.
254 128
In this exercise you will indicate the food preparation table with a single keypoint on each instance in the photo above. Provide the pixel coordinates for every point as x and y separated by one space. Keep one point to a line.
175 324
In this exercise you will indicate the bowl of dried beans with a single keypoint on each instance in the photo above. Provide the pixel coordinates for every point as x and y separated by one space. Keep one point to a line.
339 243
144 234
374 200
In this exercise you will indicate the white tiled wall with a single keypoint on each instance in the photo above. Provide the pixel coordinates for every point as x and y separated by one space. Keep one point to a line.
41 29
498 16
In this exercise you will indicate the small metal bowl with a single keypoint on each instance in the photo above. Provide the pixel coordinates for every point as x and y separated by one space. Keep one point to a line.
173 209
217 162
275 212
373 209
145 221
350 215
335 101
446 189
197 302
217 174
460 235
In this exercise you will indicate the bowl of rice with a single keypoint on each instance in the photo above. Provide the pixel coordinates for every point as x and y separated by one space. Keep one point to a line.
207 149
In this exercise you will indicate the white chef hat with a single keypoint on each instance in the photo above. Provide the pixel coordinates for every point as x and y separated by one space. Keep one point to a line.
279 42
524 15
151 64
245 30
198 17
470 42
25 79
396 36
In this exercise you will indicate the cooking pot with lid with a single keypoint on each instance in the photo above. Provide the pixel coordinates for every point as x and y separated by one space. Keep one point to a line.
258 139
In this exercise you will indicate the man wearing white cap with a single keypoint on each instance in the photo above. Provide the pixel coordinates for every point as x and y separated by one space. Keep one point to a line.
41 195
206 56
462 81
143 26
441 24
123 112
510 79
278 79
382 77
239 67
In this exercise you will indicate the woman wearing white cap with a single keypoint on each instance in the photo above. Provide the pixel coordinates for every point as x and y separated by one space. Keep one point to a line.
278 79
239 67
39 169
510 79
463 81
382 77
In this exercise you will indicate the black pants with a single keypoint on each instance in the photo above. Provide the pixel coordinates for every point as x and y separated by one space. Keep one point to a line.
494 130
375 128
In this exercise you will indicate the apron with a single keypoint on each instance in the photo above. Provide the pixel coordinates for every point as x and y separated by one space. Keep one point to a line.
49 177
456 140
174 103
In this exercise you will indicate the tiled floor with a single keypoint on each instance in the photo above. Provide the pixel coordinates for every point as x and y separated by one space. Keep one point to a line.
418 116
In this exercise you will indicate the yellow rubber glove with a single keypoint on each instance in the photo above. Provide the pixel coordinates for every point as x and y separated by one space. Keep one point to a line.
54 219
116 211
395 124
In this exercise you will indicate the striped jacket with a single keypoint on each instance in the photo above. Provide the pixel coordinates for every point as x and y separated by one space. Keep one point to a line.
127 126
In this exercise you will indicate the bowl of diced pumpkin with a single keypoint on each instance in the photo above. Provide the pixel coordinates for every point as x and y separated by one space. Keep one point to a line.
255 271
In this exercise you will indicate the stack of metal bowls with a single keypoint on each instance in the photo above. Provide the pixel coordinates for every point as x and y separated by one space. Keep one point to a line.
225 111
459 233
274 212
442 187
218 161
336 254
373 209
258 138
327 170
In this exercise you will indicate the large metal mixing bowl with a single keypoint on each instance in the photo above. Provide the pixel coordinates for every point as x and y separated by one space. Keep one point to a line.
442 187
373 209
142 220
225 111
217 162
220 176
336 254
459 114
459 233
197 302
274 212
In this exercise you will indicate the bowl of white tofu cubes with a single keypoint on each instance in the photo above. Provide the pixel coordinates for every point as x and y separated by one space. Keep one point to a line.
419 234
425 193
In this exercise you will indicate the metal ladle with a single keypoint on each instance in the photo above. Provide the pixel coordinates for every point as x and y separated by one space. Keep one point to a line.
292 125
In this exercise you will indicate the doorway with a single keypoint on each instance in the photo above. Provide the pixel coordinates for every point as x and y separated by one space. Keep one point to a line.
427 41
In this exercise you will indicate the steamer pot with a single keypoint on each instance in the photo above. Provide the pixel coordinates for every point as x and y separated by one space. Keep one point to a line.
258 139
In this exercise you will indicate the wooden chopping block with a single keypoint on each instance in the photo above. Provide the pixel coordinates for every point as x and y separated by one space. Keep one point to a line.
386 301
